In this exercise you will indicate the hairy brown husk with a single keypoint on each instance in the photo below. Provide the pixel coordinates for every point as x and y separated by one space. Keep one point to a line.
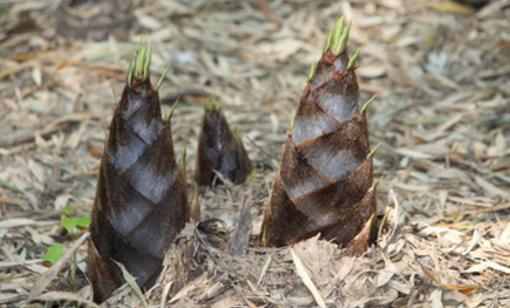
219 150
140 203
324 184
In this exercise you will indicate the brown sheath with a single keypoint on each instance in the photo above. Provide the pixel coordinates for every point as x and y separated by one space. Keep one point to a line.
219 150
324 184
140 203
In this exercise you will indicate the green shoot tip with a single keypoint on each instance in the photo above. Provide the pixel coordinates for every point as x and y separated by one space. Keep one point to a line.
184 156
338 37
130 73
376 182
173 108
354 59
236 131
211 104
293 120
374 150
338 31
114 93
328 41
139 69
367 104
311 72
340 42
162 78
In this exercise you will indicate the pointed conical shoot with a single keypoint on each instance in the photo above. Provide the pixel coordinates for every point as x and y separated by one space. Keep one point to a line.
220 150
324 184
338 37
141 201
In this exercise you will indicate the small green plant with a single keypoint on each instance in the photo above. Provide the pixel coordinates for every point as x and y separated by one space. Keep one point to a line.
71 223
54 253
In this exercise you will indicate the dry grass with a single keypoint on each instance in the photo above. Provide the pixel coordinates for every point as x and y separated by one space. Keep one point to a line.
442 76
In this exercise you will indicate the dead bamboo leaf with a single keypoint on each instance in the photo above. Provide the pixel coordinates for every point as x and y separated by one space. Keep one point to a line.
131 281
188 288
491 188
56 296
464 289
451 7
305 277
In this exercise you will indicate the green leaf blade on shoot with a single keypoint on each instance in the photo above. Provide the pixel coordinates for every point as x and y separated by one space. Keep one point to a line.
344 39
337 33
139 68
130 73
147 62
327 46
377 182
162 78
374 150
174 107
354 59
139 64
312 71
54 253
292 122
367 103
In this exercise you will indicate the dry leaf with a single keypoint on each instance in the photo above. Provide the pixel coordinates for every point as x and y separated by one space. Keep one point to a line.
451 7
301 271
